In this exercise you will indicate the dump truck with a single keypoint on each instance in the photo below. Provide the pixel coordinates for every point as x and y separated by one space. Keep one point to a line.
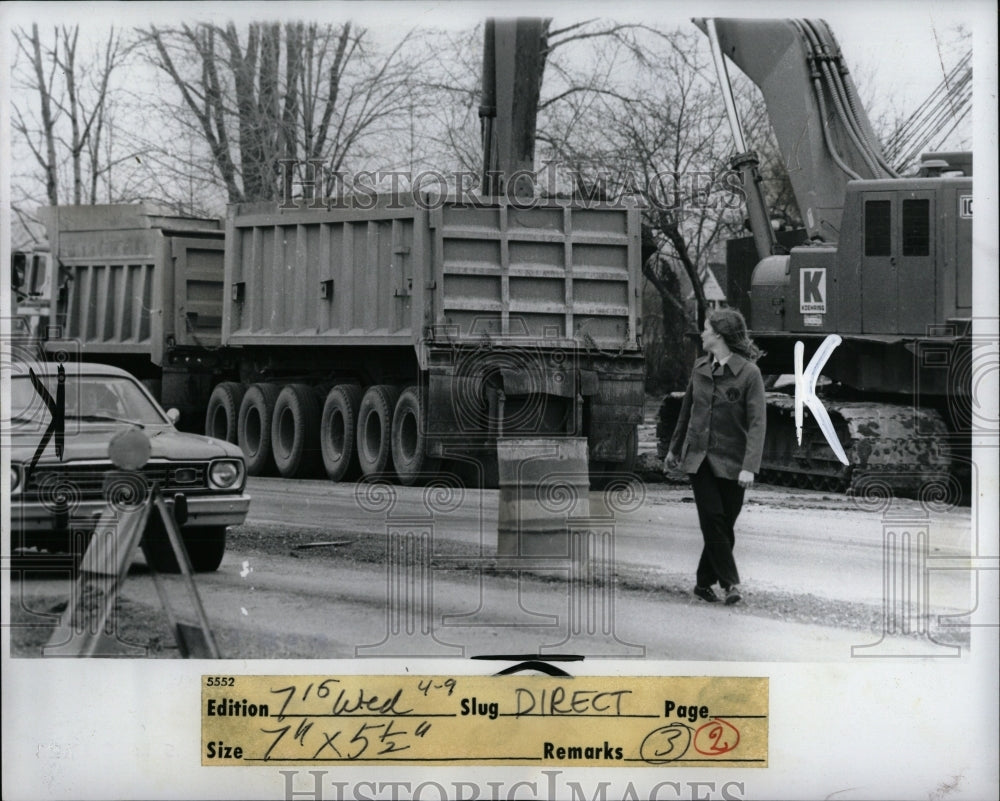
137 288
385 335
374 336
29 292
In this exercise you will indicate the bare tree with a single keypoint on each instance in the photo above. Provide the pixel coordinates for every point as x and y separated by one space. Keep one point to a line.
61 105
660 134
272 94
40 138
451 126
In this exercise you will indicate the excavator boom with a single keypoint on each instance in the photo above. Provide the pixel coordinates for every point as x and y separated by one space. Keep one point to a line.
823 133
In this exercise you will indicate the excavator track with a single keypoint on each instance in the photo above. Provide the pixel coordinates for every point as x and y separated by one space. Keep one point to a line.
891 449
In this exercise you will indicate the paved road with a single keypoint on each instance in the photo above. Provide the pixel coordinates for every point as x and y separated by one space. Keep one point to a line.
812 568
793 540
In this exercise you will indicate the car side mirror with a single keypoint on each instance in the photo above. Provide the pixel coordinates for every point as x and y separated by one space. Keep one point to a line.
173 415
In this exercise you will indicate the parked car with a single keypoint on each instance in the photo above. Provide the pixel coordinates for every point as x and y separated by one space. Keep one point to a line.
56 503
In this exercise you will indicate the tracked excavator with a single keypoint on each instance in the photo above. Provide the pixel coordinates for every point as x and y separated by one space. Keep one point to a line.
883 261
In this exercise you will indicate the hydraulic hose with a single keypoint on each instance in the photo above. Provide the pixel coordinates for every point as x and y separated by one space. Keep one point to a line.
818 91
848 95
822 57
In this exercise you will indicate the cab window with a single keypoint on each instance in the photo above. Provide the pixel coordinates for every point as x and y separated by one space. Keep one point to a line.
916 227
878 228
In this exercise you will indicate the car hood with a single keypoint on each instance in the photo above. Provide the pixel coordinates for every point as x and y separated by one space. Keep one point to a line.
90 443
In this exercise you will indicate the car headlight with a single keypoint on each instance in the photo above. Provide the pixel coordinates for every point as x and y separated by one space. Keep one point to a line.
15 479
225 474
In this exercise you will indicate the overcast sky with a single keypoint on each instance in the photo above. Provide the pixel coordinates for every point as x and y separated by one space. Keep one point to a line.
892 41
893 48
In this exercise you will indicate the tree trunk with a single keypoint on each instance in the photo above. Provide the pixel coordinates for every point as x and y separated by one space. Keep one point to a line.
48 121
76 144
671 230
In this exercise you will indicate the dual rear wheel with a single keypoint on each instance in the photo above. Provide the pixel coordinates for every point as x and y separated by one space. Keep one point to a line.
409 441
348 432
294 423
337 432
391 435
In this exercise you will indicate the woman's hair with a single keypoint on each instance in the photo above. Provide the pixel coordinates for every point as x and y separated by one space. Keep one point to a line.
730 325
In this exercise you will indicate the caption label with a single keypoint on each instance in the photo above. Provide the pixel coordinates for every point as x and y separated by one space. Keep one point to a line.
586 721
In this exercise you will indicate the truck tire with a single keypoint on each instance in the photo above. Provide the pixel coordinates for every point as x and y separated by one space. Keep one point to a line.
294 431
222 414
338 431
409 445
254 428
205 546
375 429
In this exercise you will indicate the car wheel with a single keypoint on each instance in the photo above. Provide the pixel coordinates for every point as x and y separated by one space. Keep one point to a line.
254 430
375 429
409 446
222 415
205 546
294 426
338 432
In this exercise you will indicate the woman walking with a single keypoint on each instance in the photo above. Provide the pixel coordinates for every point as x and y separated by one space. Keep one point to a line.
719 441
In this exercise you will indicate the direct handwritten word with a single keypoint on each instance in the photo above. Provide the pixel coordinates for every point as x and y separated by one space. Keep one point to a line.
559 702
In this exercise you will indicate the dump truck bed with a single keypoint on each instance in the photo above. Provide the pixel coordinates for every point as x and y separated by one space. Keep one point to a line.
419 272
134 281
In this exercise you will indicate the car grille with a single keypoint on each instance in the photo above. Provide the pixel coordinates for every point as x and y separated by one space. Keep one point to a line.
62 487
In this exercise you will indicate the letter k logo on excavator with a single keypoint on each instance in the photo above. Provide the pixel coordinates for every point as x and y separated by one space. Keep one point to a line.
805 393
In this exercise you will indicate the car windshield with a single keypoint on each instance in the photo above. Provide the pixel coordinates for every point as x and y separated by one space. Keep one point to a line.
89 399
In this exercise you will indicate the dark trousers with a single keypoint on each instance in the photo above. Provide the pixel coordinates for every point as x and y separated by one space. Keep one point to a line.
719 501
